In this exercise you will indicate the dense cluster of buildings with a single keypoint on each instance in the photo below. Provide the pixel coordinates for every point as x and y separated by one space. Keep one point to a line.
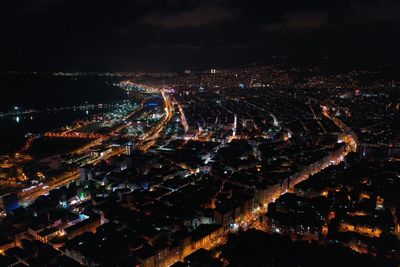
230 157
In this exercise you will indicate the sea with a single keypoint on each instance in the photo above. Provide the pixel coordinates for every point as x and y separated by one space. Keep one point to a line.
44 93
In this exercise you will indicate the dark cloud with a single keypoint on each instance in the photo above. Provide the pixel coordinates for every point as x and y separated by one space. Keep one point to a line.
75 34
300 21
378 11
199 16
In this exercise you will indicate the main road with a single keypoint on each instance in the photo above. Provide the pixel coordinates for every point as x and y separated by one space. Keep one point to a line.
29 195
151 136
350 140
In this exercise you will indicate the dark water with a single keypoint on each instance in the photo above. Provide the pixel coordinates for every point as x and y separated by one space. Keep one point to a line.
40 92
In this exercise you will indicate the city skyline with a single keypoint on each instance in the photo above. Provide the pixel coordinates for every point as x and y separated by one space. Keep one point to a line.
192 133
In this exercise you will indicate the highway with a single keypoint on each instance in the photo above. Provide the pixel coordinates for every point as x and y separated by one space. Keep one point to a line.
74 135
27 196
151 136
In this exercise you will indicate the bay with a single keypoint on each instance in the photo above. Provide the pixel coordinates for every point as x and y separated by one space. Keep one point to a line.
43 93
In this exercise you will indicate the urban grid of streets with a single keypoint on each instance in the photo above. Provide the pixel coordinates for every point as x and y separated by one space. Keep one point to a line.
149 138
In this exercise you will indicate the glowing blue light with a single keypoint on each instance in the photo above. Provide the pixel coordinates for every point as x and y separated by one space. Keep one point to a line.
151 104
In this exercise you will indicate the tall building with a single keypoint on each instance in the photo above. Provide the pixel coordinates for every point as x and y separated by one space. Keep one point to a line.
129 148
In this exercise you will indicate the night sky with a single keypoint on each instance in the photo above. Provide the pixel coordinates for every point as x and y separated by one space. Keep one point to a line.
159 35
